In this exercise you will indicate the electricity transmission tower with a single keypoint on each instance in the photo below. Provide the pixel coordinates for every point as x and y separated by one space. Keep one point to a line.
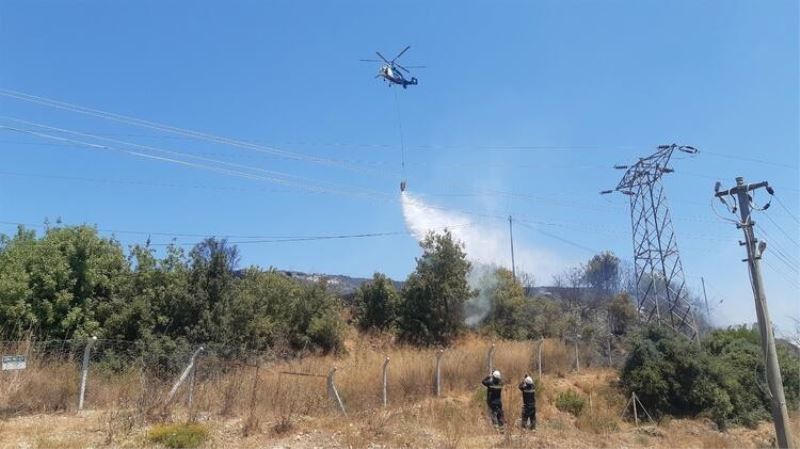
661 292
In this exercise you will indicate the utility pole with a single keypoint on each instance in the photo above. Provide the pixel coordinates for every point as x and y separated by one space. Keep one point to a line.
705 298
511 234
754 252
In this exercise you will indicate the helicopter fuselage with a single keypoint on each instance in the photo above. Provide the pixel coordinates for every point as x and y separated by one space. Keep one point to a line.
393 76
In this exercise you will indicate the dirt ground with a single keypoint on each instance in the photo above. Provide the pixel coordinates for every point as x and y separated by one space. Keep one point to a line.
434 423
413 418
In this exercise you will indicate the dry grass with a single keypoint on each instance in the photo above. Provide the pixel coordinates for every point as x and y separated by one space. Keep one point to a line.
281 407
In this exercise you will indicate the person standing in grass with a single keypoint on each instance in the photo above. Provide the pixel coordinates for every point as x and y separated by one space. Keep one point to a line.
528 390
494 390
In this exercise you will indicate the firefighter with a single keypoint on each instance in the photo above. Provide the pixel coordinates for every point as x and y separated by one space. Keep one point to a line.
494 390
528 390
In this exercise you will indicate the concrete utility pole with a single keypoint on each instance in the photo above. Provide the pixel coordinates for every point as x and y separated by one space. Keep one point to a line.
705 298
754 253
511 234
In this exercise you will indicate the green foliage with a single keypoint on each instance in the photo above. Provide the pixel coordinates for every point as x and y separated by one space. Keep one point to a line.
70 284
59 285
272 310
511 314
435 293
377 304
603 273
570 401
548 318
178 436
723 378
622 316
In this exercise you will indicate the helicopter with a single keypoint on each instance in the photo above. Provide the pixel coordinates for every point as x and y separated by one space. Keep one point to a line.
392 72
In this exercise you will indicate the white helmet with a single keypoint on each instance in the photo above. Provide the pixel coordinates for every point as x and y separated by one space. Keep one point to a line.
528 380
496 374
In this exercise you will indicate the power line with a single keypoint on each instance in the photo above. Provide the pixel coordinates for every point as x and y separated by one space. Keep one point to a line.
230 172
562 239
148 147
149 184
786 234
749 159
250 238
793 281
173 130
780 203
775 250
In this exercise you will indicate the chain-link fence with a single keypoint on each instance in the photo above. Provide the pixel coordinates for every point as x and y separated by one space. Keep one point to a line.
199 382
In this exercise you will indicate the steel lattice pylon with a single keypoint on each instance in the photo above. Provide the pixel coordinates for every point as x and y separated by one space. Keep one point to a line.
662 296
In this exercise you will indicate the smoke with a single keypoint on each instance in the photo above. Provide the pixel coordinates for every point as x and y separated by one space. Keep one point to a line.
487 247
482 278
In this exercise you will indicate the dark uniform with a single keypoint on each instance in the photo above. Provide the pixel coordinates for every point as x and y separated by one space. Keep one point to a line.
528 405
494 389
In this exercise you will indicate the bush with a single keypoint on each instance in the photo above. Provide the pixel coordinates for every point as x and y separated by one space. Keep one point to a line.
723 378
377 303
432 311
571 402
179 435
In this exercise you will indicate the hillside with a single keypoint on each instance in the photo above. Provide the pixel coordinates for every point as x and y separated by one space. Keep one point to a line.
290 410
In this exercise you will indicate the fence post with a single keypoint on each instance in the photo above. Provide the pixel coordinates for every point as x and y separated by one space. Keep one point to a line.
439 354
183 377
85 370
635 413
385 372
541 344
190 397
577 360
490 359
610 362
333 393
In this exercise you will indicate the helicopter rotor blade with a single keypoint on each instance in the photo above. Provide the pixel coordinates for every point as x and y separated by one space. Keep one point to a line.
369 60
401 53
381 56
415 66
401 67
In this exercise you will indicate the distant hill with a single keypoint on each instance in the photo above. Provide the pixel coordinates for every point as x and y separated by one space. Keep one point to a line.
340 284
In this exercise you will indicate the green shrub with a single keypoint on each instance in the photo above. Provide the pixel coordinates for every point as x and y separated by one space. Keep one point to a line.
377 303
570 401
178 435
722 378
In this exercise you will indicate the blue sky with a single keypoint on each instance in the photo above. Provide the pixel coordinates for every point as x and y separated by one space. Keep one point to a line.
535 98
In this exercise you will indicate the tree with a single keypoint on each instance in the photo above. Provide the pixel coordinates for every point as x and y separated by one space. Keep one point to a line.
274 311
602 273
435 293
622 315
211 277
570 282
377 303
59 285
510 314
722 378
